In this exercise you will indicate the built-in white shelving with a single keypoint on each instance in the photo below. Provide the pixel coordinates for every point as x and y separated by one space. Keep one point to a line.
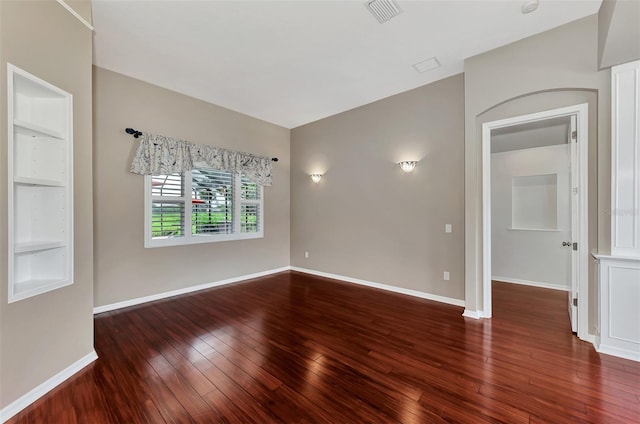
534 202
37 182
34 246
619 272
40 168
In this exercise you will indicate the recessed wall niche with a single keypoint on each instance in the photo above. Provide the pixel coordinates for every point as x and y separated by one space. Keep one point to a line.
534 202
40 189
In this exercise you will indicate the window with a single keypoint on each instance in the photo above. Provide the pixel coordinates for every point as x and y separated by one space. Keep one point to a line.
223 207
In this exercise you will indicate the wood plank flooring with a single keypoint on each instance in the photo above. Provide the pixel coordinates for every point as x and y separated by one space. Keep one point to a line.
293 348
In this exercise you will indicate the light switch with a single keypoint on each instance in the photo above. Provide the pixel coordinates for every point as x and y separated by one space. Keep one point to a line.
446 276
447 228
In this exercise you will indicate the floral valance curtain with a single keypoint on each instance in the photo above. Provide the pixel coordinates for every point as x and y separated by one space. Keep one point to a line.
162 155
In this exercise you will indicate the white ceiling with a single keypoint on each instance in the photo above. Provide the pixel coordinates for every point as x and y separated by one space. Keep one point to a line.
294 62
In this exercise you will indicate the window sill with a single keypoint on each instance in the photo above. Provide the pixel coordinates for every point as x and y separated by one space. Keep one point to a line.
199 239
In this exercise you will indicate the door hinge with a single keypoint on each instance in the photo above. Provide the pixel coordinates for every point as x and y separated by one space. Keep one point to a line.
575 245
574 135
575 302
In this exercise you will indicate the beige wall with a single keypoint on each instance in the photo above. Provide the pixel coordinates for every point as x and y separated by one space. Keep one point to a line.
512 80
82 8
124 269
618 32
42 335
367 219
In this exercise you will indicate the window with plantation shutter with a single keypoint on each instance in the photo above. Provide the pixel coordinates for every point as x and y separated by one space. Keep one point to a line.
200 206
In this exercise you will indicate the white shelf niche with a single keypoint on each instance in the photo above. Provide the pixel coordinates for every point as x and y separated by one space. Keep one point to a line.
40 192
534 202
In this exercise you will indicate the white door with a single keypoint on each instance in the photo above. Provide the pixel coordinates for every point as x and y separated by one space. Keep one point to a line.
573 291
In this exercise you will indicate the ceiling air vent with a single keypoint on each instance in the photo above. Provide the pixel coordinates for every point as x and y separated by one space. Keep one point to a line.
426 65
383 10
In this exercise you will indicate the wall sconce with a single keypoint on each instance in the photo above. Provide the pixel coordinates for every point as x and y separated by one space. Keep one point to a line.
316 178
408 165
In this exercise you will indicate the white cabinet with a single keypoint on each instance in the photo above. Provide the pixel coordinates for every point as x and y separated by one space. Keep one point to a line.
619 309
619 273
40 192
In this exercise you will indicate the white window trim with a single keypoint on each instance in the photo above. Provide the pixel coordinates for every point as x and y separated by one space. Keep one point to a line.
188 238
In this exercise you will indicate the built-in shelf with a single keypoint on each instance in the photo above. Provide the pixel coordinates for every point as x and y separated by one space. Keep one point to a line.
534 202
40 195
35 246
24 288
37 182
548 230
34 130
618 325
616 258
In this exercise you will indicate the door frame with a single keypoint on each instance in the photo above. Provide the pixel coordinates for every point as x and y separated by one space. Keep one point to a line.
582 116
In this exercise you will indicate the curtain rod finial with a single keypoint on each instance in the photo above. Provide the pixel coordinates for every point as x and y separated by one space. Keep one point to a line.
133 132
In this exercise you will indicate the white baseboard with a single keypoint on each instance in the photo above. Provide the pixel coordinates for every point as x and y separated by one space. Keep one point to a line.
531 283
164 295
409 292
473 314
33 395
620 353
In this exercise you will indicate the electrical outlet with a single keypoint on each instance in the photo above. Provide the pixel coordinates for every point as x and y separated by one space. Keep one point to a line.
447 228
306 255
446 276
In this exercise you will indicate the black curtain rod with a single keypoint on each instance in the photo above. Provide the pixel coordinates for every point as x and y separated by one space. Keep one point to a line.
137 134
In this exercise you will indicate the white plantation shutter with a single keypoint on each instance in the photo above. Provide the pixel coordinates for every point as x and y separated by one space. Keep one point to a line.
249 218
250 206
212 202
167 219
223 206
167 185
249 190
167 207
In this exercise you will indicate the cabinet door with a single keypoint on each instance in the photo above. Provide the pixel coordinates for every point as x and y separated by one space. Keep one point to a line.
625 160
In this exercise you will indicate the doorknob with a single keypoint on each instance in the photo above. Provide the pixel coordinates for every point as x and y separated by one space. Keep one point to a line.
566 243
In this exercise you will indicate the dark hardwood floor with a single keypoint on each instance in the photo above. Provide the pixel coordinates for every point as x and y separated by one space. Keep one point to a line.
293 348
